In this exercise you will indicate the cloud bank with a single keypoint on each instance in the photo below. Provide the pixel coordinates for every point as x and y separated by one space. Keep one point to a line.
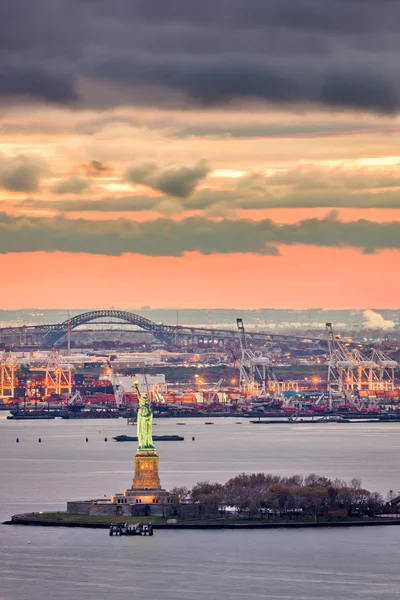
178 181
72 185
335 53
21 173
181 189
167 237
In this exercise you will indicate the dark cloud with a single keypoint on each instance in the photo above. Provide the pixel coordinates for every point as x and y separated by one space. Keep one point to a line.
335 53
72 185
179 181
33 82
209 81
21 173
166 237
96 167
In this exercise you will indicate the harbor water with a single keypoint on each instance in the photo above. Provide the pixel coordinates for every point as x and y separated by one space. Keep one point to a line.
60 563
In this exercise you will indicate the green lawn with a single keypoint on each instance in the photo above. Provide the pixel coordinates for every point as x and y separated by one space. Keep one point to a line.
65 517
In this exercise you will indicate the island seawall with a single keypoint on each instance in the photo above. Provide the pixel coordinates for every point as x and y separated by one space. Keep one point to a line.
35 519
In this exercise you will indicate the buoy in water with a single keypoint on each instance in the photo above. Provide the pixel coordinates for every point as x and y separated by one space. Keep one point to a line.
39 440
87 439
193 438
105 439
17 440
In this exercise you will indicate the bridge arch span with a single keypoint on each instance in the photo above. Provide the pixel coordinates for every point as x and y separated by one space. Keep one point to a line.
163 333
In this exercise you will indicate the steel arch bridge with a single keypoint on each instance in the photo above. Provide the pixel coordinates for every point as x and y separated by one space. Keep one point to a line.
164 333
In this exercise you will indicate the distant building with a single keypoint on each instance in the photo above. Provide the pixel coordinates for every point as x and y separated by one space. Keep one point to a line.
145 382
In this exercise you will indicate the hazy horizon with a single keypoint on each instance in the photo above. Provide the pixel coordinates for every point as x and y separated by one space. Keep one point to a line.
271 318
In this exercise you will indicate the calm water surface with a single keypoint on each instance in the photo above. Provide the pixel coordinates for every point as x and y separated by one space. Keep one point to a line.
324 564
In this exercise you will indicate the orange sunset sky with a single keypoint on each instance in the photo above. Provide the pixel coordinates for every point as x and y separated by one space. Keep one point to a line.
167 170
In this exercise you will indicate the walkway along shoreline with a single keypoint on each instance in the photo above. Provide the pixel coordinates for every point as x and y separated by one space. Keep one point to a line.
33 520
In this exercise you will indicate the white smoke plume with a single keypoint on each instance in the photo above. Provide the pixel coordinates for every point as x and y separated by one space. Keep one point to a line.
373 320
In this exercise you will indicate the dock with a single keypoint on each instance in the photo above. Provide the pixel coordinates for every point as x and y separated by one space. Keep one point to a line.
131 529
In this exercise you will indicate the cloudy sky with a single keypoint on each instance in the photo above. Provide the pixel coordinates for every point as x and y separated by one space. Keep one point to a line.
222 153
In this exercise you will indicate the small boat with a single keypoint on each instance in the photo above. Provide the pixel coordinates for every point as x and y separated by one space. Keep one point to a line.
333 419
28 417
208 423
156 438
91 414
387 417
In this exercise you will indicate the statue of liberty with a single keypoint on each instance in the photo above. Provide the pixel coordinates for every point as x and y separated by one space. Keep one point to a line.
144 422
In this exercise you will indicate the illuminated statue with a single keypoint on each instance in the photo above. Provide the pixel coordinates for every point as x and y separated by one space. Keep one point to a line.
144 422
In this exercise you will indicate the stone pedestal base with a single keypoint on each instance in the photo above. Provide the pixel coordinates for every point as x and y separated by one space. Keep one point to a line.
146 471
146 496
146 486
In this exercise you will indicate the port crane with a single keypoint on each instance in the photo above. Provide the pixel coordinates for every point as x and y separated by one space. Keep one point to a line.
159 397
352 372
119 392
256 376
341 365
58 377
385 367
212 394
75 399
156 392
7 375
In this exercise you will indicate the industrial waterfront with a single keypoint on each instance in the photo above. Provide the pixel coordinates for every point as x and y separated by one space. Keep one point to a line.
240 374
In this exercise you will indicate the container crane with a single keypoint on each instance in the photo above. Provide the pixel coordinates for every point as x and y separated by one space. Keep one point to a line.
58 378
213 393
75 399
341 366
364 375
119 392
385 367
256 376
7 375
159 397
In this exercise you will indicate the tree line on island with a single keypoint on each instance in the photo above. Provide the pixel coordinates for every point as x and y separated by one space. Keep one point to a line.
260 495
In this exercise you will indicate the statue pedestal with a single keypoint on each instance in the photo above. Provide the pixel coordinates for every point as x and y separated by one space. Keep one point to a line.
146 470
146 486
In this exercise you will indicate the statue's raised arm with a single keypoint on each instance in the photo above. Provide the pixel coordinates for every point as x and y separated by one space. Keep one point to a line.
142 399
